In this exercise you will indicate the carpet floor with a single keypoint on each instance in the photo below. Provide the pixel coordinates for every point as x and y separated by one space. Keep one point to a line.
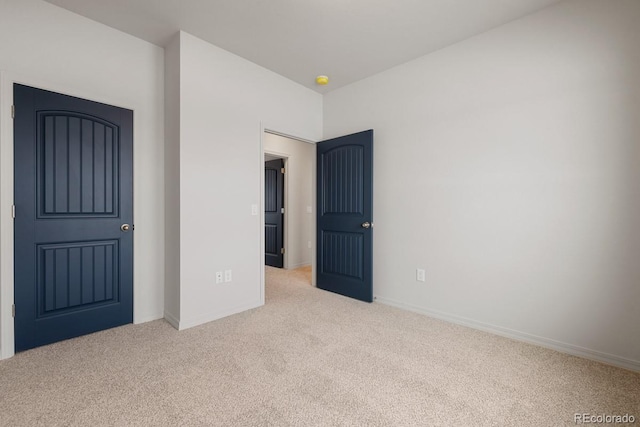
307 358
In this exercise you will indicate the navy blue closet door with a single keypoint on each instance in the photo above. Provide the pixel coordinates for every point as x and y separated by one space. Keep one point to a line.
73 193
345 215
273 217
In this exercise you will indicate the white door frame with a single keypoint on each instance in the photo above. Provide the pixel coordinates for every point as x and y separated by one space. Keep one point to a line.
7 80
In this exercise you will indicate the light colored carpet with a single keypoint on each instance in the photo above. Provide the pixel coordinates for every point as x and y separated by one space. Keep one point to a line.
307 358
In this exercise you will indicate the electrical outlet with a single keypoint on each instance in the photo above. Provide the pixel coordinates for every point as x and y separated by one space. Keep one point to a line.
420 275
227 276
218 277
254 210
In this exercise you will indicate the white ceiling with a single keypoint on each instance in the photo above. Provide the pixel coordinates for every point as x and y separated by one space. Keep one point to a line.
347 40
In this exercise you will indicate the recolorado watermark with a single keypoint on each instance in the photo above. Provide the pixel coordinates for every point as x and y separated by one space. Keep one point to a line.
586 418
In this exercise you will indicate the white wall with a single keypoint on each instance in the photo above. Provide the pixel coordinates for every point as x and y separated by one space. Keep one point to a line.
225 102
507 167
45 46
299 223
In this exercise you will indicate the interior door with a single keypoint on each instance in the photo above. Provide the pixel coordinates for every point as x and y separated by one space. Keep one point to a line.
345 215
73 198
273 213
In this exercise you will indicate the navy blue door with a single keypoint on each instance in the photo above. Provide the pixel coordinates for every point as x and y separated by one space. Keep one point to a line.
273 216
73 198
345 215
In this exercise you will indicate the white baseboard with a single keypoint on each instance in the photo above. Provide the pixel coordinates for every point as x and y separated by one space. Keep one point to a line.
210 317
299 265
148 318
574 350
173 321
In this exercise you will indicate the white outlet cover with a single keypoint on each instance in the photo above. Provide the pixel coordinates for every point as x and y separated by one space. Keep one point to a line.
227 276
254 210
420 275
218 276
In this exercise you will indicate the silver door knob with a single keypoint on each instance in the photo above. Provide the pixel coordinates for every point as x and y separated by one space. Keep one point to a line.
366 225
125 227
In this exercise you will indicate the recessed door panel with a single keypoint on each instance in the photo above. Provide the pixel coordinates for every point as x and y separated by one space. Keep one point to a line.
343 180
73 276
77 165
271 188
271 239
343 254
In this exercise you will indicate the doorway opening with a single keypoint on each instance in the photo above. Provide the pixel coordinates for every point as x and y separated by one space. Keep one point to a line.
297 211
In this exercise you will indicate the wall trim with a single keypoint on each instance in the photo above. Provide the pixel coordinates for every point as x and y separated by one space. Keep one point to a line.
299 265
573 350
173 321
288 135
210 317
6 221
148 318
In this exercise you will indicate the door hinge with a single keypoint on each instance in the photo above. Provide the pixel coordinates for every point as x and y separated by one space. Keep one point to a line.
13 211
282 250
13 310
282 170
13 111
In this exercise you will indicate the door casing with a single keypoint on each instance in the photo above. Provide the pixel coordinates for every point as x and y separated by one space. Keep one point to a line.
7 80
